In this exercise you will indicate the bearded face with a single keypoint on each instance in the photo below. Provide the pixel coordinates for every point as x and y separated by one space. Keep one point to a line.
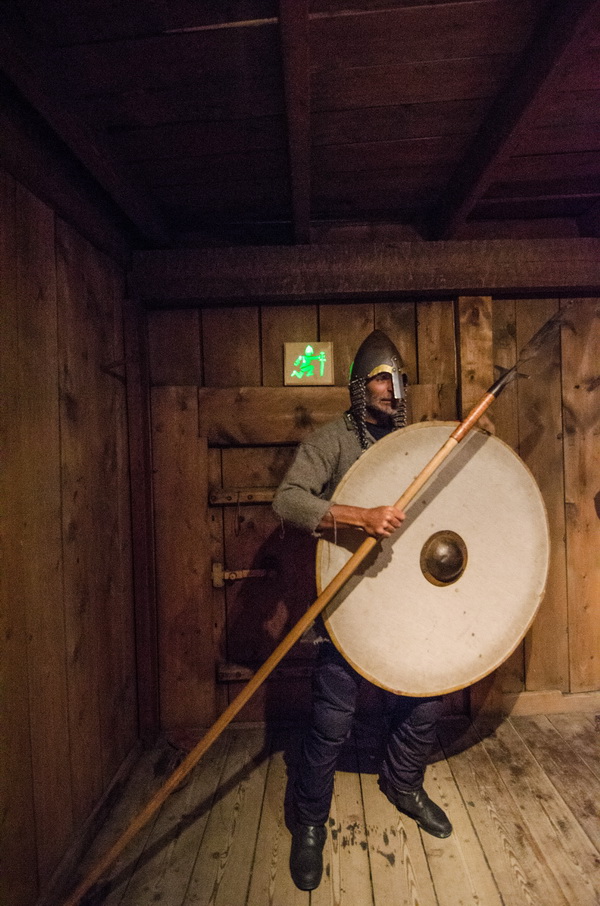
381 404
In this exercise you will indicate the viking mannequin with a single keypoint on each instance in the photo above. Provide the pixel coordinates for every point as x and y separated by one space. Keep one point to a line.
378 407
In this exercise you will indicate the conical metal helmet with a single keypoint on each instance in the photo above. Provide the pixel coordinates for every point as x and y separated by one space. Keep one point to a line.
375 355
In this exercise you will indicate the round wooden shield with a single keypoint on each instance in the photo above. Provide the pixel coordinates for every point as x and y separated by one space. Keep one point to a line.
450 595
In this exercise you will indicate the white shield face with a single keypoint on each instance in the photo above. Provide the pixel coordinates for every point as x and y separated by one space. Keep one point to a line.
449 597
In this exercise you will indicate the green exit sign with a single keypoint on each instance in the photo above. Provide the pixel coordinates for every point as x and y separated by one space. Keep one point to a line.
308 363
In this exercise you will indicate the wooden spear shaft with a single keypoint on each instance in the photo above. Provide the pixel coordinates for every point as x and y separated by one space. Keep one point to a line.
328 593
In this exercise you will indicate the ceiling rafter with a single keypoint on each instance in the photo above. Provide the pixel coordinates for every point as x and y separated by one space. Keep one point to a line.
293 25
25 65
553 47
194 123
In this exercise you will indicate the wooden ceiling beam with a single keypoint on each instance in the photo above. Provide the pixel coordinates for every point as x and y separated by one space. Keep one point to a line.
384 270
24 64
554 45
293 26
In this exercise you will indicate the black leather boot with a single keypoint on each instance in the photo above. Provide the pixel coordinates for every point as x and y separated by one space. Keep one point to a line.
417 804
306 856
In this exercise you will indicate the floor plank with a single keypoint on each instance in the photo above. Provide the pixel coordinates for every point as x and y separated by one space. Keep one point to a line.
583 736
566 770
523 797
271 884
458 866
573 859
224 862
518 865
399 869
350 875
172 848
146 779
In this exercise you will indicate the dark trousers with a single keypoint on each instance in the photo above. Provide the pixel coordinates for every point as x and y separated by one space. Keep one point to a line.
411 736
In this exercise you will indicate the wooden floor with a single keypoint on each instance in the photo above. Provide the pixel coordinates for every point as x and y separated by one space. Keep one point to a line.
524 799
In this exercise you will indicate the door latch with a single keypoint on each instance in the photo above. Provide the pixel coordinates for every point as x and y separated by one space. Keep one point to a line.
220 575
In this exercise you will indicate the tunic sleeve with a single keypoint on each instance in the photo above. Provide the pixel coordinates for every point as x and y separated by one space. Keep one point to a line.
303 496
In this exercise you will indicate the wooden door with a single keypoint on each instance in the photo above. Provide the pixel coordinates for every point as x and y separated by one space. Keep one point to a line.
263 580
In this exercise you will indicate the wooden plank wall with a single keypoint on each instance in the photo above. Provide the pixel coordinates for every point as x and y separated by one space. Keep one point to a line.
450 349
68 699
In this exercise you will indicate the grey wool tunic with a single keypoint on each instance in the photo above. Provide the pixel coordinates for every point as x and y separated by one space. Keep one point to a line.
321 462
